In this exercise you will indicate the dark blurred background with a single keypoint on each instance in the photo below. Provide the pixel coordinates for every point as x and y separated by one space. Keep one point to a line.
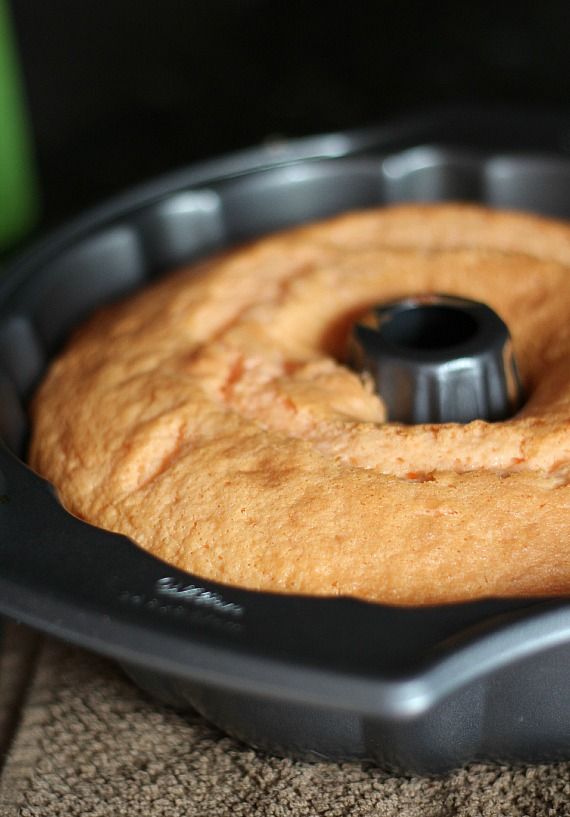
120 90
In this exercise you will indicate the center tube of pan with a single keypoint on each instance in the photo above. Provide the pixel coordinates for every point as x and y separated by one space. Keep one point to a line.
438 359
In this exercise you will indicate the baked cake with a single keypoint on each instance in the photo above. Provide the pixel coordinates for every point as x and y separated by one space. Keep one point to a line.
213 418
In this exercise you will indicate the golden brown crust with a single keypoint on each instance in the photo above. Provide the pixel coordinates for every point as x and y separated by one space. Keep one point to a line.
211 418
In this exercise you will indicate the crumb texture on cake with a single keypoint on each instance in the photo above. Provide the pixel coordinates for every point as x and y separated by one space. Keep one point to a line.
212 417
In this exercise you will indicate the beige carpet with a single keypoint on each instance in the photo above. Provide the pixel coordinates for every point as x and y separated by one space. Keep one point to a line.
83 740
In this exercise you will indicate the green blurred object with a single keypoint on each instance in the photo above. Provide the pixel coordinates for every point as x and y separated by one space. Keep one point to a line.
18 193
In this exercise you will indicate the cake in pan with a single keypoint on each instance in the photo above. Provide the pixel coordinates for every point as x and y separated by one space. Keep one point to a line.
214 419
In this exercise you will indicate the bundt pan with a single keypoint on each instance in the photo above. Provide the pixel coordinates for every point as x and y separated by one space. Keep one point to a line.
414 690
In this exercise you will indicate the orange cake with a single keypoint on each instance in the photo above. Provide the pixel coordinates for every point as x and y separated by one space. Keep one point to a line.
213 417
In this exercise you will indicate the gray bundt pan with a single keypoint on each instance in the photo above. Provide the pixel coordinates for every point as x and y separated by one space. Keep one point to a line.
414 690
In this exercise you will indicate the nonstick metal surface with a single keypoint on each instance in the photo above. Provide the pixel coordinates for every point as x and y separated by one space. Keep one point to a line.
415 690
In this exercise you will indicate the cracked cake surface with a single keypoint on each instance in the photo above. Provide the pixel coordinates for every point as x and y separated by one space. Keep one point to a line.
213 419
